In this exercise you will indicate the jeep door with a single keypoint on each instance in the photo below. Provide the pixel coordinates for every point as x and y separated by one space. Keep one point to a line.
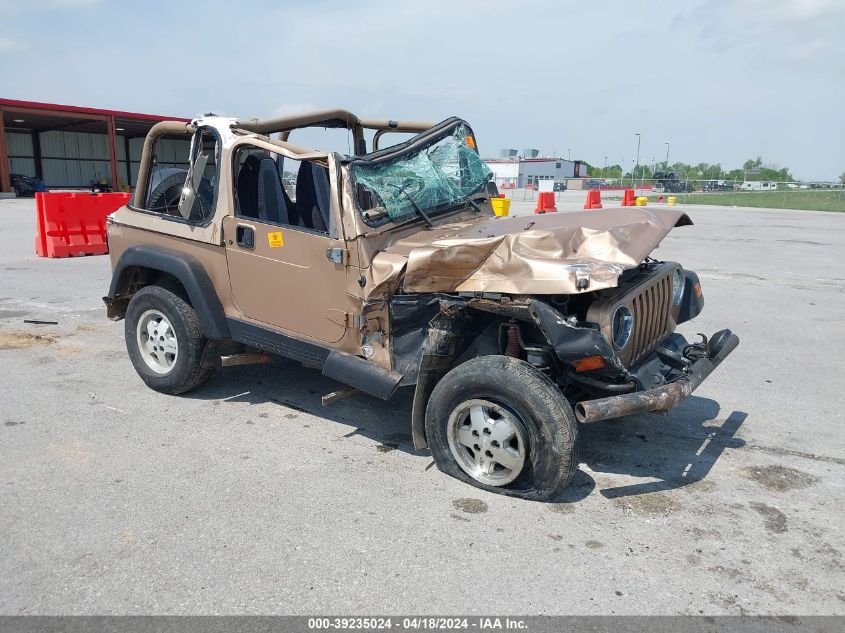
284 243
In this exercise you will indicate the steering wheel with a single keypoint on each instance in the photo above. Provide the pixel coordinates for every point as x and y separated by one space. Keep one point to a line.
401 192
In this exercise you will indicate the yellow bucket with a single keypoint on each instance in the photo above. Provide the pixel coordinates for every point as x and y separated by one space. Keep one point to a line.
641 201
671 200
501 206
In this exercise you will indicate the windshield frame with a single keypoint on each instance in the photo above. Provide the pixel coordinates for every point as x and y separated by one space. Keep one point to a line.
416 144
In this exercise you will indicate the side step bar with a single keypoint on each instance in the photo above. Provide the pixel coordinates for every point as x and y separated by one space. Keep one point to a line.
361 374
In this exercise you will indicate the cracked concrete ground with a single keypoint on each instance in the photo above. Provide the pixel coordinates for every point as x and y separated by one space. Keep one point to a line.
247 496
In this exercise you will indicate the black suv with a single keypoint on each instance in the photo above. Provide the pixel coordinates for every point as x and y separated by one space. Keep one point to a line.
669 182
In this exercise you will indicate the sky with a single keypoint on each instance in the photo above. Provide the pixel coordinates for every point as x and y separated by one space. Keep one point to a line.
719 80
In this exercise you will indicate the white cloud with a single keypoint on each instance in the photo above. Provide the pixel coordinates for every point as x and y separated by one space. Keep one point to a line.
787 15
790 10
723 80
12 45
806 51
14 7
292 108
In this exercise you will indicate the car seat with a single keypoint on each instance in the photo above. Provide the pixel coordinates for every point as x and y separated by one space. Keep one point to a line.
260 192
272 200
312 196
248 188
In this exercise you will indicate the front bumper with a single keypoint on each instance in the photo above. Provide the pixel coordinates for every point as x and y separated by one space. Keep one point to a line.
659 399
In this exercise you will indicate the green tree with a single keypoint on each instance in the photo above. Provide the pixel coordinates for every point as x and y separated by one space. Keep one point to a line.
714 172
611 171
703 171
763 171
642 172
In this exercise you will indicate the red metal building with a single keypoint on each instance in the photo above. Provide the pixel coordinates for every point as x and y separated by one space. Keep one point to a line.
56 142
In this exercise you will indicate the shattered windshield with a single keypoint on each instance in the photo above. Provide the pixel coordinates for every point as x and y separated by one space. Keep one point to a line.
421 181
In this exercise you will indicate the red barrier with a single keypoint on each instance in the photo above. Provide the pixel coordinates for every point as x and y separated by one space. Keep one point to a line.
593 199
629 198
71 224
545 202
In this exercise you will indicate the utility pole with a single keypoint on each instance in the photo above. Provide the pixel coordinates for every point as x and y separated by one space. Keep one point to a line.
667 155
604 171
637 164
569 151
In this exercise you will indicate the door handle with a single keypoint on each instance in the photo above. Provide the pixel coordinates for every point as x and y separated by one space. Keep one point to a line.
245 236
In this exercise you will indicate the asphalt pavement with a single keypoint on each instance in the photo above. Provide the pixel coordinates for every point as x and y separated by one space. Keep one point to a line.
247 496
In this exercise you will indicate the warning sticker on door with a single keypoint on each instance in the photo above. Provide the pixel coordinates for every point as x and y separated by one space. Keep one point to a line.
275 239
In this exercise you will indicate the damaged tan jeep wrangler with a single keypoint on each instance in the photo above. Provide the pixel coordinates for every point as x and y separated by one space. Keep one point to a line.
387 268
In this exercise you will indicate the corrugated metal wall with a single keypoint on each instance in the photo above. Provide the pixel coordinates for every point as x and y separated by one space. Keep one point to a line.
172 153
21 156
76 159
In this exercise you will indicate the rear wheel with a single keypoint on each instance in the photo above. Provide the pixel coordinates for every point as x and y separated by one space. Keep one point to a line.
500 424
165 342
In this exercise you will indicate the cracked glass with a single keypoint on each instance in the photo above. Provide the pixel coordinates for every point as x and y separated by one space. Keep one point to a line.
422 181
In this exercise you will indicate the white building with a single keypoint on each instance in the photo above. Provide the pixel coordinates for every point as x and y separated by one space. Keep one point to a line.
511 171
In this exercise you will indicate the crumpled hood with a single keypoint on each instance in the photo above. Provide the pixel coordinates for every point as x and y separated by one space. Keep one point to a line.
558 253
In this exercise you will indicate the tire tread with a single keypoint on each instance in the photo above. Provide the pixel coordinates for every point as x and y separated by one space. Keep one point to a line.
514 372
197 372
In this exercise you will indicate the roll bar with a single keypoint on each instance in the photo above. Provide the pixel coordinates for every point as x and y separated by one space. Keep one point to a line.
318 118
159 129
333 118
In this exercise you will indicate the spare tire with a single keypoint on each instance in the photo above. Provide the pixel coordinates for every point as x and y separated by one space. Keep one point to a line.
166 191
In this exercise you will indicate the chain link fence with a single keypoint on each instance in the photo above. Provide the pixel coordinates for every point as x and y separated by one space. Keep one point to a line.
813 196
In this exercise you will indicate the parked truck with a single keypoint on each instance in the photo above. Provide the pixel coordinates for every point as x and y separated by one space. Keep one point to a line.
669 182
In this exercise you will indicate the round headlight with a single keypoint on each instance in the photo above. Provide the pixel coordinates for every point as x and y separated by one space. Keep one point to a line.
623 325
678 283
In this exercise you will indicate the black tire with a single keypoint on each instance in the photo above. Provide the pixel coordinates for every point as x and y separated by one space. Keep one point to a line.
165 195
537 402
188 370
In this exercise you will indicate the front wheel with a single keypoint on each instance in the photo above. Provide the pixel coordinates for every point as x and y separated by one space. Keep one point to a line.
500 424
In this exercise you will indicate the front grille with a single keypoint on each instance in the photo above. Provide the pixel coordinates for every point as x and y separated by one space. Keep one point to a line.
651 310
647 293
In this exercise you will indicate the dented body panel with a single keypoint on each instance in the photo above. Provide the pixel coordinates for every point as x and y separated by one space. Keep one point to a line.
545 254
